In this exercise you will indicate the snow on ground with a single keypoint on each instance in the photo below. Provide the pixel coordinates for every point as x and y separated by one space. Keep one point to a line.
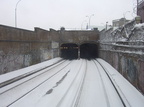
139 25
128 92
13 74
76 83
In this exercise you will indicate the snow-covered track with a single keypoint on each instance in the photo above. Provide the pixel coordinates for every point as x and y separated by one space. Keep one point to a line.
97 88
30 83
76 83
128 94
111 82
19 77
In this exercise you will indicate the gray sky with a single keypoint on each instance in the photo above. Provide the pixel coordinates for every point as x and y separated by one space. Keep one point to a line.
63 13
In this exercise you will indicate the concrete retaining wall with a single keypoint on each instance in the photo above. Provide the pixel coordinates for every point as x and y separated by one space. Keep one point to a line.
129 64
123 48
21 48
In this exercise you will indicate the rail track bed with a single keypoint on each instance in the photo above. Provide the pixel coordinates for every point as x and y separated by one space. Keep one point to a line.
64 83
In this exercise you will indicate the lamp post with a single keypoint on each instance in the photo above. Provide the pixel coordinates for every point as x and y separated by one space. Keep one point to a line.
16 13
89 19
106 25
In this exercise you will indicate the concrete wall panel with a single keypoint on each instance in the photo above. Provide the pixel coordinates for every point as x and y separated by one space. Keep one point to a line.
130 65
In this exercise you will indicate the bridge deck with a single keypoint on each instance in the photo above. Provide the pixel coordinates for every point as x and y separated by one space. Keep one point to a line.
63 83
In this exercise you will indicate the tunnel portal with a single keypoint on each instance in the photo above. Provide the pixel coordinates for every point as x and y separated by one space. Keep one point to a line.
69 51
73 51
89 51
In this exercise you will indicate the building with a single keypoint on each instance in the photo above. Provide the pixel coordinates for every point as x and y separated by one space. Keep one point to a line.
140 9
119 22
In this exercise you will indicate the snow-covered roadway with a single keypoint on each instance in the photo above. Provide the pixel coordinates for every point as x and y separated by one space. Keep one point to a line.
64 83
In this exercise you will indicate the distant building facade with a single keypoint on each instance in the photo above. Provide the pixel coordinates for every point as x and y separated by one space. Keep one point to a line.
140 9
119 22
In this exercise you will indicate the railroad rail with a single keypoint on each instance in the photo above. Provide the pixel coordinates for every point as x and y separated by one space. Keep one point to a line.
65 83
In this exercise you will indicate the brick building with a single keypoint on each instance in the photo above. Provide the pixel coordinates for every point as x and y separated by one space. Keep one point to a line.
140 9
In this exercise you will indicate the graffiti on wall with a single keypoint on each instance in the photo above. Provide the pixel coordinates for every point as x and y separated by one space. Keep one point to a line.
45 54
141 75
129 69
10 61
22 56
27 60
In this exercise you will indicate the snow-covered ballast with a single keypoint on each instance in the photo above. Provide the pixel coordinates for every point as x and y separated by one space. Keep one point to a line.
81 83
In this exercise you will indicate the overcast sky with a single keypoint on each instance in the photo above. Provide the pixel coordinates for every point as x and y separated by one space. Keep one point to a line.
63 13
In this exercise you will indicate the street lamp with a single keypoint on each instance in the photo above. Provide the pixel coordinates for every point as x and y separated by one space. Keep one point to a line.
106 25
90 19
16 13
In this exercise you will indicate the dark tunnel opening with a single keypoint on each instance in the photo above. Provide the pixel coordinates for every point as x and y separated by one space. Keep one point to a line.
69 51
89 51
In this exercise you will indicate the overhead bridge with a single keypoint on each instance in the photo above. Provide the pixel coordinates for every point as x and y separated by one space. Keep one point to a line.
65 83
